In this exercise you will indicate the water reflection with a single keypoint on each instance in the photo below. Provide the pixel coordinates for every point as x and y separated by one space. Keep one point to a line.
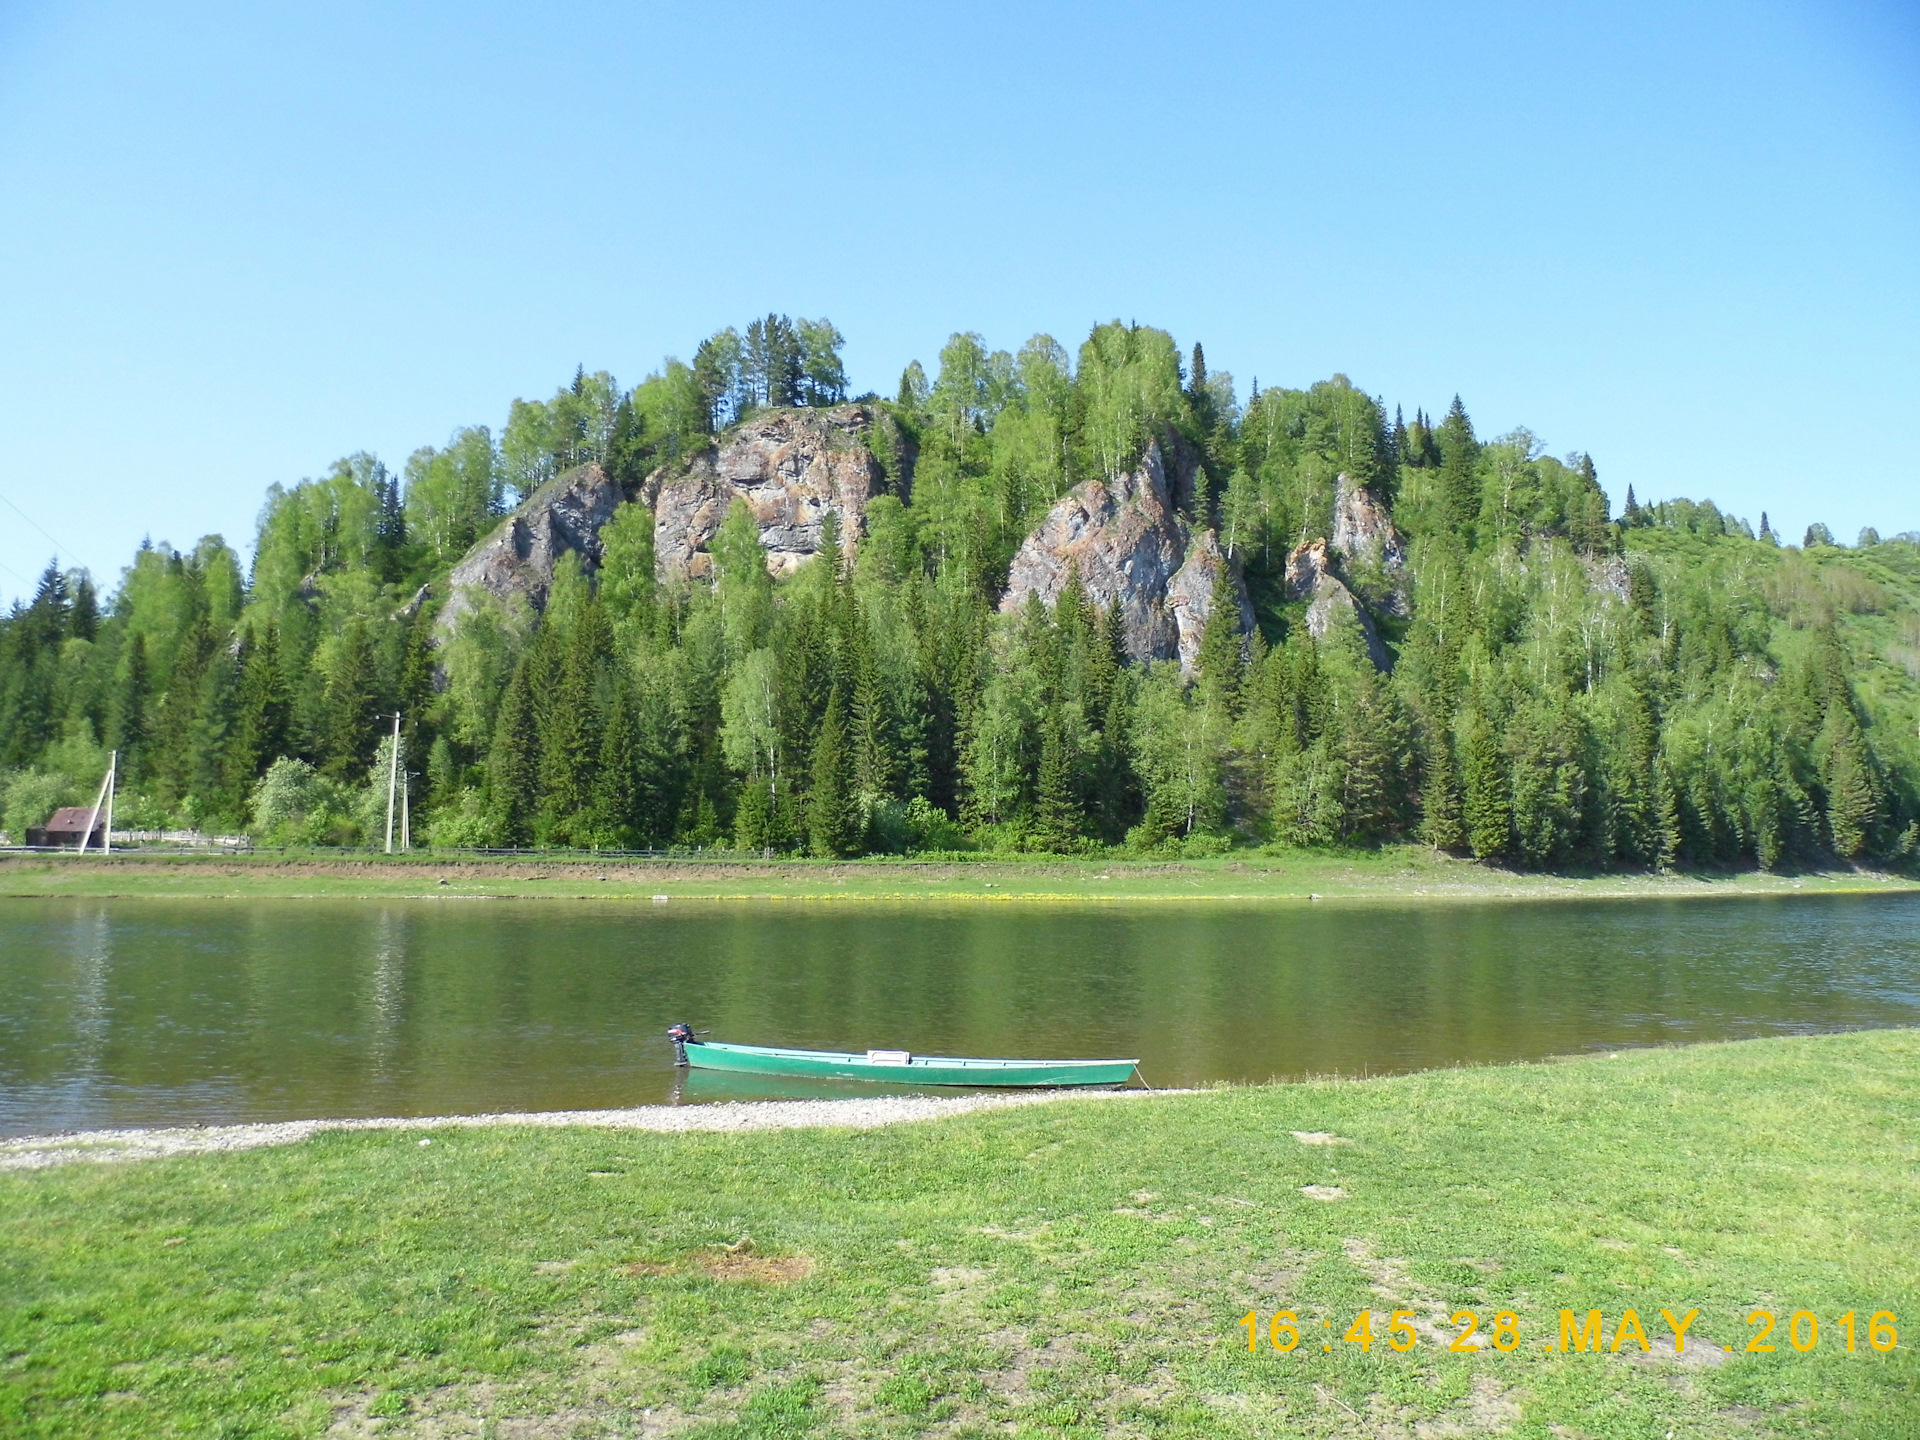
131 1012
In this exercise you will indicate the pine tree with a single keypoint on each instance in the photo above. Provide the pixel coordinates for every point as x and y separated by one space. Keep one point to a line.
1221 646
1459 482
569 748
513 766
831 814
83 621
129 723
1056 819
349 733
1853 800
620 770
258 735
1487 809
1441 825
875 752
1666 811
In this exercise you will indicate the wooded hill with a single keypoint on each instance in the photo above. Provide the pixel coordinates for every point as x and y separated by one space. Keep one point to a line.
1041 602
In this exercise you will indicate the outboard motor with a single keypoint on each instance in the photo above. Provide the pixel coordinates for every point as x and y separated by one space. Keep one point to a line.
682 1036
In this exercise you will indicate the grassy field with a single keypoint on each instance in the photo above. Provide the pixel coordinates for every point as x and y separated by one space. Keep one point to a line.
1394 872
1079 1268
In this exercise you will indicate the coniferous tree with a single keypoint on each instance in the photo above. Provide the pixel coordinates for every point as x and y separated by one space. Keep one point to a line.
1441 825
129 722
258 735
831 814
1853 801
1486 808
83 621
1459 479
1056 811
569 741
1221 647
513 766
349 729
620 771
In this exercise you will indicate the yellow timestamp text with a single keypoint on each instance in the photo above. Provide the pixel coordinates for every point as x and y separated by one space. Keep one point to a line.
1285 1331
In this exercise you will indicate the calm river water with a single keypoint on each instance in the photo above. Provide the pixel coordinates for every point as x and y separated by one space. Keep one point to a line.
153 1012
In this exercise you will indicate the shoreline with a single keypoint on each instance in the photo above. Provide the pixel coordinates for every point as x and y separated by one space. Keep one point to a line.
100 1147
1400 873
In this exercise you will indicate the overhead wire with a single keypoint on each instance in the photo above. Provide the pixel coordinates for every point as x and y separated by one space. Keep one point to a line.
59 549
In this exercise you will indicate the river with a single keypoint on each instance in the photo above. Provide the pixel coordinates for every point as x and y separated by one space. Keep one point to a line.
154 1012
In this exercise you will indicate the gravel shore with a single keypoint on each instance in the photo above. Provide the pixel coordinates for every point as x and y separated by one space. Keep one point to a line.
38 1152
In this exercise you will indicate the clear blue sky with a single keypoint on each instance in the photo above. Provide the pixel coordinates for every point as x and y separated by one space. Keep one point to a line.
240 241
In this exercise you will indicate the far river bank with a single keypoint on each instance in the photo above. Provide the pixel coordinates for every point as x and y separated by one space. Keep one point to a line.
1398 873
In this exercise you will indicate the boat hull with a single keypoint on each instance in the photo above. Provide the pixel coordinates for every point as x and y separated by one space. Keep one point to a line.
917 1070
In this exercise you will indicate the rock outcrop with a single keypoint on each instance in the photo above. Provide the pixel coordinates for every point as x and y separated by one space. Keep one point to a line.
1362 528
1370 546
793 467
1190 595
1311 577
515 563
1132 549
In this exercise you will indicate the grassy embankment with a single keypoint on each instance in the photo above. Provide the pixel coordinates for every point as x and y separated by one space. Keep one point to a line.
1076 1268
1394 872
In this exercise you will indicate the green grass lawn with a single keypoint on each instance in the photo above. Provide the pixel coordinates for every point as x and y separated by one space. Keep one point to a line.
1397 871
1074 1268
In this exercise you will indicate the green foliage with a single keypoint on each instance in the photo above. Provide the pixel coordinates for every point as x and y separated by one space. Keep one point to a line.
294 804
1561 691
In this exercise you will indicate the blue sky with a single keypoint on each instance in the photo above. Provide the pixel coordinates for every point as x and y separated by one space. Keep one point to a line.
242 241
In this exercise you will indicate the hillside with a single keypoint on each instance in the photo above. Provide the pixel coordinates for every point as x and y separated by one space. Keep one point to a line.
1043 603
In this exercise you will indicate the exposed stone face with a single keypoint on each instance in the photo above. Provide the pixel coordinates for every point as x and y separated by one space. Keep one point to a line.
1132 550
1362 528
792 467
516 562
1370 546
1609 573
1310 577
1190 596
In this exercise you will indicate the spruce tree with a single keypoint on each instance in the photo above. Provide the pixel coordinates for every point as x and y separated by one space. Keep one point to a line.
569 747
1056 818
1221 646
1486 808
831 813
1441 825
83 621
877 762
513 766
619 774
1459 482
349 730
258 735
129 717
1853 801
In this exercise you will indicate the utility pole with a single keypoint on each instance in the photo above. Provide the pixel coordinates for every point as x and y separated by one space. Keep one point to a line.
393 777
104 797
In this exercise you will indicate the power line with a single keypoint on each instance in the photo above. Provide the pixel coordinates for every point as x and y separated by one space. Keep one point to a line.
58 547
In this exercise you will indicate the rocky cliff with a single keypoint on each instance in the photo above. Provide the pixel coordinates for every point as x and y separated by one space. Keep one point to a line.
792 467
1362 528
1134 550
1311 577
515 563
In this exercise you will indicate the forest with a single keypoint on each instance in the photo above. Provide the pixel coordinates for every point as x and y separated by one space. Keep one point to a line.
1524 677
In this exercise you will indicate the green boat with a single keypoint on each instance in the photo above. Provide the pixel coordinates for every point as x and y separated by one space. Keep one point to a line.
898 1067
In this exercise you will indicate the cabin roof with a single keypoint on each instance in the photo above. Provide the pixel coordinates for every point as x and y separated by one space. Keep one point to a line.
72 817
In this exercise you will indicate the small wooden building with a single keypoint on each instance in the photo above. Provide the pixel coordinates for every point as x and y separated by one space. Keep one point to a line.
67 825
